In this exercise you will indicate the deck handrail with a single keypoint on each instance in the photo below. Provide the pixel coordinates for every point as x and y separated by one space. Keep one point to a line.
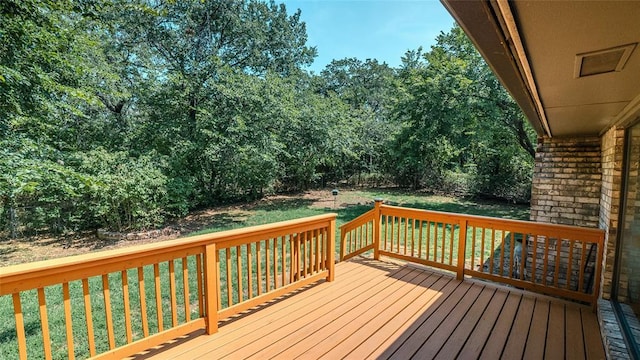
249 265
348 245
552 259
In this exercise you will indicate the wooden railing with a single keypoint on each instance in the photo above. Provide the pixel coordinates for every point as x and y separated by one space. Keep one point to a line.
357 235
558 260
116 303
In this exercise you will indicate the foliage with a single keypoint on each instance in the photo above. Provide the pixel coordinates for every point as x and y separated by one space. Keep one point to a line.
456 117
123 114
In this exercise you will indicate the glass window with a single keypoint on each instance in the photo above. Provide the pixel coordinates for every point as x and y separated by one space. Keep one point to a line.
627 291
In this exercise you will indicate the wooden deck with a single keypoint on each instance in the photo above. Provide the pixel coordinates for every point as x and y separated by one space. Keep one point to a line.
381 310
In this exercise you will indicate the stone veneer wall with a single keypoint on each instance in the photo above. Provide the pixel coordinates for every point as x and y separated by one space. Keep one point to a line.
567 180
612 146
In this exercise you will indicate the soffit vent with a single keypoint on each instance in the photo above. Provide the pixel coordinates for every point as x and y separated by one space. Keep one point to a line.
602 61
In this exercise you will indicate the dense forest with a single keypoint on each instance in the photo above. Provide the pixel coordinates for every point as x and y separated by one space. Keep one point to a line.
126 113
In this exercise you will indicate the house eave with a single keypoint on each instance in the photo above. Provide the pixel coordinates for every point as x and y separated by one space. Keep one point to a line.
485 25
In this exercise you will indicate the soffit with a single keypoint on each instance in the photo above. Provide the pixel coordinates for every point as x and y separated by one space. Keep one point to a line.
553 33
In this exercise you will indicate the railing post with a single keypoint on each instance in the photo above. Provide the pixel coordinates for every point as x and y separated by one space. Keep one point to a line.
331 244
211 287
462 246
377 217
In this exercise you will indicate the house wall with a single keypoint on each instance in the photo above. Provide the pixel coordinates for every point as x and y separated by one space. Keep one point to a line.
567 181
612 144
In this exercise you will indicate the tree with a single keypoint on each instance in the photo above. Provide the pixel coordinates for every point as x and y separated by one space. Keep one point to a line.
457 118
368 87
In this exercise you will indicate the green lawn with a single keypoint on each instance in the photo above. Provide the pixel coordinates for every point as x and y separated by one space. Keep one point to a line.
349 204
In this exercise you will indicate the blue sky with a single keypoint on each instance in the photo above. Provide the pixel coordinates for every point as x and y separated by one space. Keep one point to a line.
382 30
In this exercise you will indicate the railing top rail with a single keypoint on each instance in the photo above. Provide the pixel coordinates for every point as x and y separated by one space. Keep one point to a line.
360 218
599 233
97 259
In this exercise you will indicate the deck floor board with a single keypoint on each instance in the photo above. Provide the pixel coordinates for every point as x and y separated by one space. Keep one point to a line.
381 310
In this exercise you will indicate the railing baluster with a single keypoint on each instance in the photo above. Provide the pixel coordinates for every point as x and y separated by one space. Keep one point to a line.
275 262
143 302
324 248
88 316
239 273
392 238
284 257
126 305
316 234
249 272
259 265
292 255
492 256
227 260
502 236
523 254
406 231
302 250
546 260
512 252
19 318
473 247
66 299
570 264
309 252
443 249
185 288
420 223
107 309
413 237
212 250
534 250
436 239
451 232
156 280
295 261
44 323
364 236
355 239
399 234
582 266
482 247
267 265
305 257
347 244
428 239
386 230
556 263
200 277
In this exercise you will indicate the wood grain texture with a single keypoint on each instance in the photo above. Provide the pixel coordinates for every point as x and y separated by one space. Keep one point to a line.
381 310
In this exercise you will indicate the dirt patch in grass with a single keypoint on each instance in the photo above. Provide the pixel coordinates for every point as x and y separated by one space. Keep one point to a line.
43 247
348 204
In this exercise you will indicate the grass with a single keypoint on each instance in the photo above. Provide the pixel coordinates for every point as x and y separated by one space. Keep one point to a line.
351 204
348 205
